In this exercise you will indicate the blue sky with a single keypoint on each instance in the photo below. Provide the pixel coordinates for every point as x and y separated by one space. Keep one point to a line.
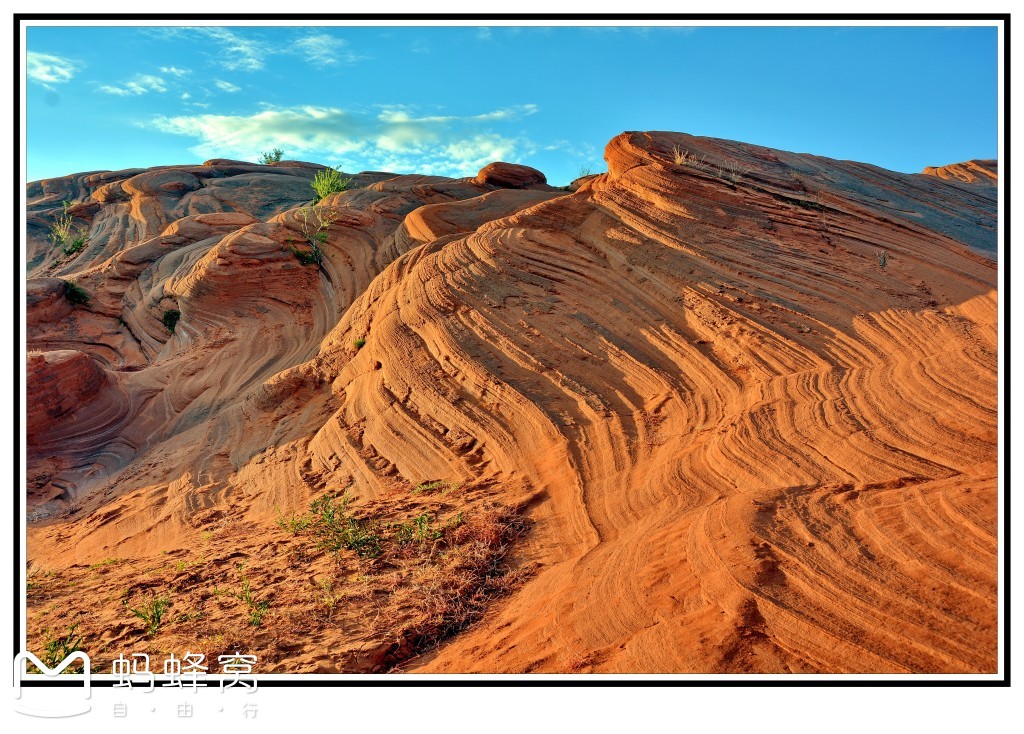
447 101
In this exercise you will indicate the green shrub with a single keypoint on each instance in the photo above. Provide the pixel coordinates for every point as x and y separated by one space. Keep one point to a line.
427 487
293 524
359 343
152 613
74 293
328 181
56 649
419 530
257 609
312 257
170 319
336 530
315 223
65 235
273 156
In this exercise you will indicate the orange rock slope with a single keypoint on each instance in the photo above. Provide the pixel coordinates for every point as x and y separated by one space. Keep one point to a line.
745 398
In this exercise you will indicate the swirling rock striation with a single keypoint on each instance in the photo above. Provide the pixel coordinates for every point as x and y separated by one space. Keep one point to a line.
748 397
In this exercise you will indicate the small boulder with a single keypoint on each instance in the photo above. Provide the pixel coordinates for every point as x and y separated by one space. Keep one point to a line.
509 176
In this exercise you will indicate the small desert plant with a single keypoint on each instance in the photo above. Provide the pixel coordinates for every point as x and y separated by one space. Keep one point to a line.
257 609
56 649
105 562
75 293
170 319
308 258
335 529
681 157
315 222
293 524
585 171
65 235
273 156
326 596
359 343
419 529
328 181
883 258
734 171
152 613
427 487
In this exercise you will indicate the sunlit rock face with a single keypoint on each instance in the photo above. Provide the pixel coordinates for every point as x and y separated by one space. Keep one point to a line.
746 397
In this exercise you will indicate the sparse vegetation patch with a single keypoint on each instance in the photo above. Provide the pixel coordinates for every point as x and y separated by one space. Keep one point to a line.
57 647
440 569
151 612
315 222
65 235
328 181
170 319
273 156
75 293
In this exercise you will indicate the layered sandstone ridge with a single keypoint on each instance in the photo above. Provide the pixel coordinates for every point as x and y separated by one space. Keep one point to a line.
979 171
747 397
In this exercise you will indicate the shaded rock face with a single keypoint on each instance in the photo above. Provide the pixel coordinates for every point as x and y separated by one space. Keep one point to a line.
747 441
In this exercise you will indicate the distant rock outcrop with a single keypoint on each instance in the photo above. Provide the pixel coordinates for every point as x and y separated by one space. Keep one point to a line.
510 175
979 171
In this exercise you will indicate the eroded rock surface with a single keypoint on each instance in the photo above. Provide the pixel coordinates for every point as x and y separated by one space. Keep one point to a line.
747 397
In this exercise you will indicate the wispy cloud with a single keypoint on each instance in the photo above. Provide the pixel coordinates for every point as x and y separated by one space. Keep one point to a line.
240 50
226 86
322 49
174 71
48 69
139 84
232 50
393 139
400 114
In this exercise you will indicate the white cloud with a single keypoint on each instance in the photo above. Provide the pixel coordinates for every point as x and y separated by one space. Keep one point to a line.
226 86
322 49
174 71
233 50
478 151
392 140
140 84
483 34
120 91
236 52
150 82
400 114
47 69
186 95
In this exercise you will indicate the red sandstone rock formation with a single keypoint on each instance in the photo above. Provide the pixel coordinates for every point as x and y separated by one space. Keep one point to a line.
747 441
